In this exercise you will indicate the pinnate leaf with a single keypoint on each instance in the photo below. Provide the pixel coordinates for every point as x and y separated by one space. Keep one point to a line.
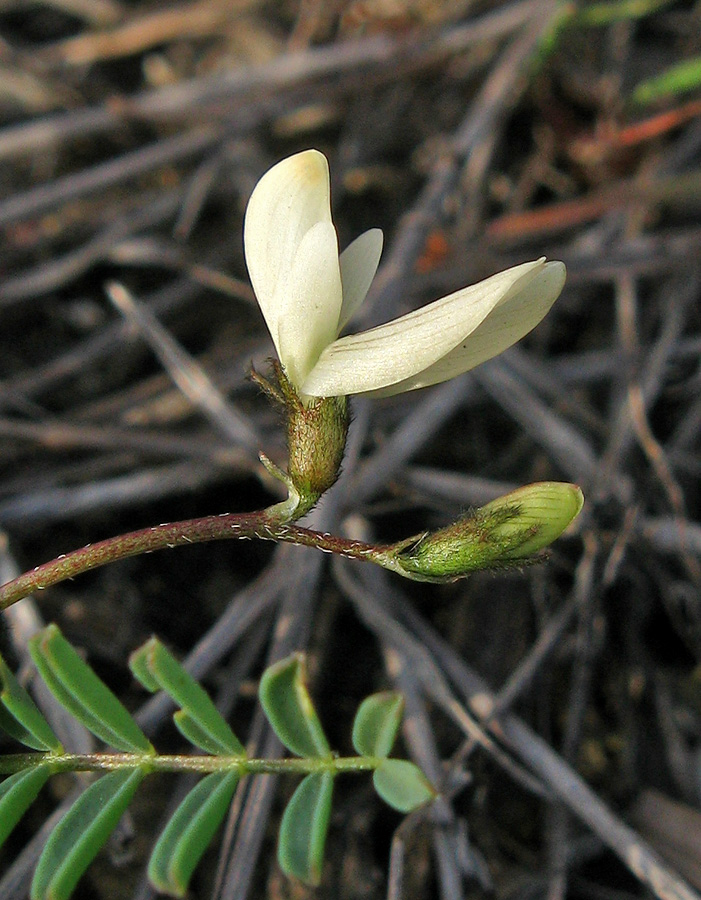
83 694
289 708
200 721
189 832
80 834
376 723
304 826
17 793
402 785
20 716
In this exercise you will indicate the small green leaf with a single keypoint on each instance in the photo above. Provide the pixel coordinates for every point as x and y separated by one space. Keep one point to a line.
402 785
677 79
17 793
377 722
192 731
139 665
601 14
11 726
20 717
304 827
81 833
156 668
189 832
288 706
83 694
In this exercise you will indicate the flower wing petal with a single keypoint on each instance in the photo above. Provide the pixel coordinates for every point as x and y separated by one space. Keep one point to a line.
505 325
285 204
399 350
309 301
359 262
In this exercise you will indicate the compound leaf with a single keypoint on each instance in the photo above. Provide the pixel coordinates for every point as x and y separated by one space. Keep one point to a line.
376 723
83 694
402 785
81 833
20 716
157 669
289 708
304 826
189 832
17 793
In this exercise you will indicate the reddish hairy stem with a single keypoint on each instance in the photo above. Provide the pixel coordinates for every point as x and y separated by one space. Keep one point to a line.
227 526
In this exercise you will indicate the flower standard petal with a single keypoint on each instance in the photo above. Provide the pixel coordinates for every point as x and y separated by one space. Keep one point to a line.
391 353
359 262
309 302
508 322
285 204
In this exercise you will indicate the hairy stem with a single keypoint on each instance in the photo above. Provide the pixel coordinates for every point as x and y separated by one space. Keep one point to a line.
105 762
227 526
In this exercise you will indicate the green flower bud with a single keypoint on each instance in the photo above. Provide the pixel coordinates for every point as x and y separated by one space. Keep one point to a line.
506 532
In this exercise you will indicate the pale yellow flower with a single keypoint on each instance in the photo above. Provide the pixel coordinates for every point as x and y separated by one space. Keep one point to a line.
308 293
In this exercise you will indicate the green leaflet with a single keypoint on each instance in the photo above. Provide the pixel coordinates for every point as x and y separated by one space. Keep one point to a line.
17 793
402 785
376 723
80 834
601 14
200 721
289 709
20 717
192 731
83 694
678 79
189 832
304 827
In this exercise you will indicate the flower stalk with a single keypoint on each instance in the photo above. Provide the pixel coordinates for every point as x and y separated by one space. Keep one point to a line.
234 526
